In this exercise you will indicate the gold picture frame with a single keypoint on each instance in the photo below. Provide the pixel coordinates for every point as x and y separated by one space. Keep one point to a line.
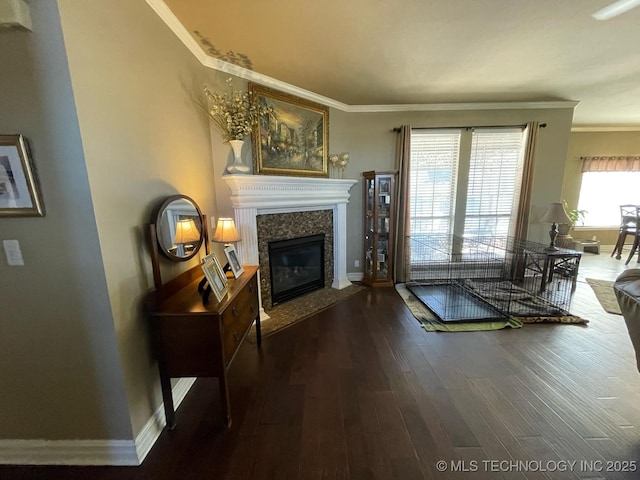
292 138
19 191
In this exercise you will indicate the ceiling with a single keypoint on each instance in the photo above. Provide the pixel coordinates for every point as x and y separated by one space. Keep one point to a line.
393 52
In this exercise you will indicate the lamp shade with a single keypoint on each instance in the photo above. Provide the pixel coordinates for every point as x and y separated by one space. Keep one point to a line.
226 231
186 231
555 214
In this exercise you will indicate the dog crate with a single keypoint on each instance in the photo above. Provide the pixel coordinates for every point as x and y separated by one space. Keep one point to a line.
490 278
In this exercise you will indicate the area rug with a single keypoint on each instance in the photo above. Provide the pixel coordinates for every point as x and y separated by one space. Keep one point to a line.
431 324
293 311
605 294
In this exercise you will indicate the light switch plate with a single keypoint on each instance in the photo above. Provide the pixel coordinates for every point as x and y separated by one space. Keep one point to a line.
13 252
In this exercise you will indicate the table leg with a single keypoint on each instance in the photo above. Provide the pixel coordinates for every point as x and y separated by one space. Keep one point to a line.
167 398
258 332
552 265
617 250
545 272
224 397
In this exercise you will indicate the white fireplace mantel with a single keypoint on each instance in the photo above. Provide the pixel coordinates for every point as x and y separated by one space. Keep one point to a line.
253 195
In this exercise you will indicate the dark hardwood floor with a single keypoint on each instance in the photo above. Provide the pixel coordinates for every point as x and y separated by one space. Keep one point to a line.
360 391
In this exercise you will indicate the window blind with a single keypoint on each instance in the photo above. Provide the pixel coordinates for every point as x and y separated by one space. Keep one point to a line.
494 180
432 180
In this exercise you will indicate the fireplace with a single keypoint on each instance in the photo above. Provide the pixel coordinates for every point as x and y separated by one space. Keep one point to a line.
255 196
296 267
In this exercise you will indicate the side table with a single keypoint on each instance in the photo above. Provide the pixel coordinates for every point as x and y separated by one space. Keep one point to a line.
549 262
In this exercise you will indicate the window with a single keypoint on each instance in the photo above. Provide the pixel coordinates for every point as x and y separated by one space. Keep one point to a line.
494 178
602 193
432 180
472 194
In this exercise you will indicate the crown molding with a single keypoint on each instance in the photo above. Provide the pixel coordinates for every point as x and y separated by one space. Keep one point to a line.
420 107
168 17
605 128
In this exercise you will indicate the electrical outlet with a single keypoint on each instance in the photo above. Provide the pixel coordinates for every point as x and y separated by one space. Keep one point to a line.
356 263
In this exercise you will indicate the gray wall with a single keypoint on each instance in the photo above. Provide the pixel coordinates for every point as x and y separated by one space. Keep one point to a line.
104 93
60 371
369 140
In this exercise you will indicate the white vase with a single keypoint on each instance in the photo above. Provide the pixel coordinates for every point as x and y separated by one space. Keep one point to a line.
237 166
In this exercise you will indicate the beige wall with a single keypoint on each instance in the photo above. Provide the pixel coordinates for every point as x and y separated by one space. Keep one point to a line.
583 144
144 138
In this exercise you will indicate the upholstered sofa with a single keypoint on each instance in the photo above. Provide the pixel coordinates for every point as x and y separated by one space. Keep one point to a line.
627 290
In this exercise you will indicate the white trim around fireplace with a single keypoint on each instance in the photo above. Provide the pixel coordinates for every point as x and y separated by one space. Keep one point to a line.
253 195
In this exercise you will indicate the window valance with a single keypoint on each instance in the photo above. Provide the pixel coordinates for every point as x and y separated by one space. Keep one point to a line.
610 164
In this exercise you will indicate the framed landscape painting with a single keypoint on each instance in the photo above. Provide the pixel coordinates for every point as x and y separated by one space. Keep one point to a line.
292 138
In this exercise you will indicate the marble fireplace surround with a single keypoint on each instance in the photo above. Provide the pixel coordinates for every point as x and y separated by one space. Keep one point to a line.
253 195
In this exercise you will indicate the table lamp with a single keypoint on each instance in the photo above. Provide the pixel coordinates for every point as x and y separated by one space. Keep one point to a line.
186 233
226 233
555 214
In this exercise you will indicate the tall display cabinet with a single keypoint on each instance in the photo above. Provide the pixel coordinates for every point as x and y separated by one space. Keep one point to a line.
379 221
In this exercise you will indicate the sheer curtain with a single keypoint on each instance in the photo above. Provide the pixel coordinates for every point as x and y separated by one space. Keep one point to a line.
403 159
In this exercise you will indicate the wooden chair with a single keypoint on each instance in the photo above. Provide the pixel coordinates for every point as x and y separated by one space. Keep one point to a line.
636 237
628 226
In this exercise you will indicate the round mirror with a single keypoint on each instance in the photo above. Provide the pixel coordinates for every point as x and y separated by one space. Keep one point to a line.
179 228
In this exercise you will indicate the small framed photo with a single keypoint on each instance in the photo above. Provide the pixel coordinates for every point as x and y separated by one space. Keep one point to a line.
215 276
212 257
19 192
232 258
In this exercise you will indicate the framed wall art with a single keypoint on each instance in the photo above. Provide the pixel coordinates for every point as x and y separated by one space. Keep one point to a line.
292 138
19 191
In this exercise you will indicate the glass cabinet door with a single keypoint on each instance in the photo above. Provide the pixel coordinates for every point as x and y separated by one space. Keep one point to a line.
378 227
369 229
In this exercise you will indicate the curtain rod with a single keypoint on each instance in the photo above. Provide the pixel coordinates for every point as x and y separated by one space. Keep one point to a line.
397 129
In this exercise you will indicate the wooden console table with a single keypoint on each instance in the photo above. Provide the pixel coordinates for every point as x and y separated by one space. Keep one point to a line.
193 339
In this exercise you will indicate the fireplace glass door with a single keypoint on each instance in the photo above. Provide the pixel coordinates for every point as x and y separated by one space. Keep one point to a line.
296 267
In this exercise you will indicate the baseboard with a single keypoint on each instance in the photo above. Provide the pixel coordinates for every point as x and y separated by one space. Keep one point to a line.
148 435
68 452
92 452
355 276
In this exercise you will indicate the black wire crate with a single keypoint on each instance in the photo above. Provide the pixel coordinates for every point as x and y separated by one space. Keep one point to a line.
490 278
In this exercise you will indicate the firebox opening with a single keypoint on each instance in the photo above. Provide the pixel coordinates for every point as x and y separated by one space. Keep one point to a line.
296 267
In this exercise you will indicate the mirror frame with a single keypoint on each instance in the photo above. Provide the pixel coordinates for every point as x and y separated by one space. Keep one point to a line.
156 218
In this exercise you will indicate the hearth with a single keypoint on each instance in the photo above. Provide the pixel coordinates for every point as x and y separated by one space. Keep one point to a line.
296 267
